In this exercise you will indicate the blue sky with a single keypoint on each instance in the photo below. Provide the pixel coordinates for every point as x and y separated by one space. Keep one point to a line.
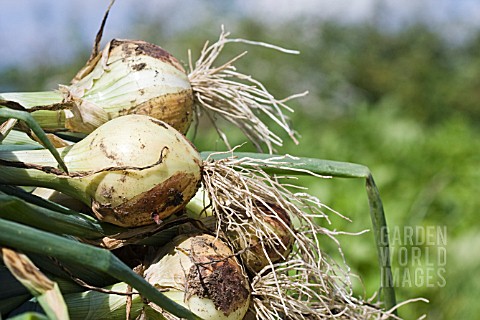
34 31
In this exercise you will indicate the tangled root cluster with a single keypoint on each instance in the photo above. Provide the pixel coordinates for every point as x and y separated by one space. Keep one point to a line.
305 283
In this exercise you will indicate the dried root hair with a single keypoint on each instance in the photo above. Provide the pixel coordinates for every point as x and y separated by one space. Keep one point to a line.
242 194
237 97
311 293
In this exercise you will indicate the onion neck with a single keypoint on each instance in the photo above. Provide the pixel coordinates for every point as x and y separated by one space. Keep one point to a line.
17 169
29 100
50 120
43 107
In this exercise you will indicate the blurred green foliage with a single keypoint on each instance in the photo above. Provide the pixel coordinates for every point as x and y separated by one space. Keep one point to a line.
404 103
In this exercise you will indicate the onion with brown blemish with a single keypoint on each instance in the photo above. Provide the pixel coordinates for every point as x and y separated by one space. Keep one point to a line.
129 77
130 170
201 273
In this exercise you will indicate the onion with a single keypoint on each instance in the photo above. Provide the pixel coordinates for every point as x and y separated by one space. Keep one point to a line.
255 255
130 77
201 273
130 170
